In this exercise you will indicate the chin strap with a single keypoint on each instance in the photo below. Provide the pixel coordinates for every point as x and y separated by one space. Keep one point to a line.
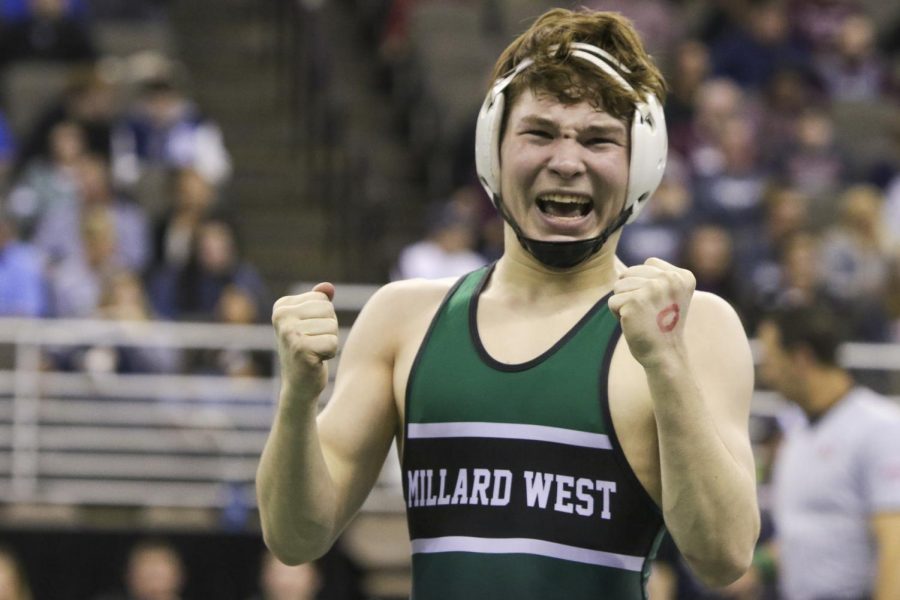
562 255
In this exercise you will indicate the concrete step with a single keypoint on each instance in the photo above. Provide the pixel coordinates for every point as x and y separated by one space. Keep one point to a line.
282 268
255 124
286 248
282 183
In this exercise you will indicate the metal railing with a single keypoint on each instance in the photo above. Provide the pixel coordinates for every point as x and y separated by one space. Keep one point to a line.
109 438
170 440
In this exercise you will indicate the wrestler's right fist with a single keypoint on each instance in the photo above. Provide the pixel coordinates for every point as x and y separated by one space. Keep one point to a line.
307 331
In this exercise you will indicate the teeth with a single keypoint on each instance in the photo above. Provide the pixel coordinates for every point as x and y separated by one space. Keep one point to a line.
564 198
564 205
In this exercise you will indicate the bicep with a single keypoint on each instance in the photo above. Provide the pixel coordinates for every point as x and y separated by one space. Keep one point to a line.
723 365
357 425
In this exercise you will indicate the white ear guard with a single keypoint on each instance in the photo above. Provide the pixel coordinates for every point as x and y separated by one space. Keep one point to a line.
649 142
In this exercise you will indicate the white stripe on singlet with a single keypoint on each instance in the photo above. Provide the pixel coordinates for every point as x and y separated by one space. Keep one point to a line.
517 431
527 546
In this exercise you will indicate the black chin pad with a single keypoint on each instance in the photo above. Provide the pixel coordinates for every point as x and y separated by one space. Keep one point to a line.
561 255
565 255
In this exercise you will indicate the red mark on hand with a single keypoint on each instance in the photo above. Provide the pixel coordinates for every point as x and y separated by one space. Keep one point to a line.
667 318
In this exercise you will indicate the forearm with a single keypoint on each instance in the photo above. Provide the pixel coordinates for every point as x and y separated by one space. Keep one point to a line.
887 580
887 586
708 494
296 494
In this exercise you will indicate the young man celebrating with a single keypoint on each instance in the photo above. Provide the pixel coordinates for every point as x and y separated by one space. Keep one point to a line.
555 410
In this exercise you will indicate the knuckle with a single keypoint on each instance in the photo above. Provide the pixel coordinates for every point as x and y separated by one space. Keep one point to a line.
281 302
672 278
279 313
690 279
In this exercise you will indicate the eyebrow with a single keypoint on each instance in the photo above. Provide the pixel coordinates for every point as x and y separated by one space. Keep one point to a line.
615 127
537 121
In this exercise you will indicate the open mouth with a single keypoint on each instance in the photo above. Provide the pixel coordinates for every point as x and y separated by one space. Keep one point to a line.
564 206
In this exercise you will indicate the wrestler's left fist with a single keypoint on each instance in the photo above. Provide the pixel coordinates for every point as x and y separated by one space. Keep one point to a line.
651 301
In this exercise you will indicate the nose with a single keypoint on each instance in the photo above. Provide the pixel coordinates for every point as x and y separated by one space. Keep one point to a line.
566 160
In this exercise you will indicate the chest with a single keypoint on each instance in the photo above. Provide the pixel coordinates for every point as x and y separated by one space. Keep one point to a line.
606 393
818 473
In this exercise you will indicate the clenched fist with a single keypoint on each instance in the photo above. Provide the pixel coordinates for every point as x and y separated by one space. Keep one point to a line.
651 301
307 331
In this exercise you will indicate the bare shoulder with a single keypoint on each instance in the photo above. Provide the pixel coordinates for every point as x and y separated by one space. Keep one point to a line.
400 300
415 290
398 309
712 320
718 345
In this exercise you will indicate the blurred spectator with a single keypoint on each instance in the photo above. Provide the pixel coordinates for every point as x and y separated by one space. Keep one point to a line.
165 129
717 103
193 198
278 581
759 262
814 164
661 227
853 71
22 286
122 298
819 22
13 583
7 150
154 572
690 69
46 32
90 100
236 306
854 254
193 291
799 280
709 255
18 10
76 283
447 251
656 22
789 93
732 195
836 484
753 48
48 182
57 231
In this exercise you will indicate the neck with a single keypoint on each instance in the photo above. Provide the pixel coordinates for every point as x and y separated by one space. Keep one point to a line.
826 387
520 272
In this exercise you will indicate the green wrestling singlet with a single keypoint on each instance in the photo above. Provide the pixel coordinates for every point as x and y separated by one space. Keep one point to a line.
515 484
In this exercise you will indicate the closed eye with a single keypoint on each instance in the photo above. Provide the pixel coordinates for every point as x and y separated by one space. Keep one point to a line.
598 141
539 133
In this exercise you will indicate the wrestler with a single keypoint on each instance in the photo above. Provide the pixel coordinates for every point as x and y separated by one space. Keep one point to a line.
555 410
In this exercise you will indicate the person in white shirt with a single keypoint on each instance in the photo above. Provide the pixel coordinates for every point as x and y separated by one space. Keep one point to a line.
837 475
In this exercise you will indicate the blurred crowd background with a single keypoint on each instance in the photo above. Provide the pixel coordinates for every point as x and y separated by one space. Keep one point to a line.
121 197
182 160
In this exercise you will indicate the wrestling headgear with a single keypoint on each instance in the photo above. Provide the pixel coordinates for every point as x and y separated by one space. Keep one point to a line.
649 146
